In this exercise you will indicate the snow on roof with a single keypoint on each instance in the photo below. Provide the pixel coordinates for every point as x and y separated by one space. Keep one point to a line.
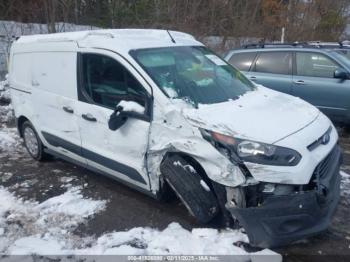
155 34
115 39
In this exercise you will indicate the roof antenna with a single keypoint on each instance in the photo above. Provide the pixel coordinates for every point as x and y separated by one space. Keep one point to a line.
172 39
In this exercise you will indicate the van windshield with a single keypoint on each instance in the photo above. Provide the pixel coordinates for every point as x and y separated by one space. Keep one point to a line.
193 74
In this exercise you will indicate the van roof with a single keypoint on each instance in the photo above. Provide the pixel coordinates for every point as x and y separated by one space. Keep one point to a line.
115 39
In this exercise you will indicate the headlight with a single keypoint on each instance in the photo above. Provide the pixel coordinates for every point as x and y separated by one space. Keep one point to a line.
255 152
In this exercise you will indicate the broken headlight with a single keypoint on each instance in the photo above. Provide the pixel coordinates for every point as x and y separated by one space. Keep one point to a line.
254 152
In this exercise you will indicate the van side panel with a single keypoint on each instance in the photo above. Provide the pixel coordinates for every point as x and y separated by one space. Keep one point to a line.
44 90
54 96
21 71
20 83
55 72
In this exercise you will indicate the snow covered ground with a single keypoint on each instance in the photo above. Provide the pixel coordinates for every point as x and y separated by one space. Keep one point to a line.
28 227
47 228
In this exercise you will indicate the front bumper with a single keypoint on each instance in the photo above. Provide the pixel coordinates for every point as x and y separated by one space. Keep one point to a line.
283 219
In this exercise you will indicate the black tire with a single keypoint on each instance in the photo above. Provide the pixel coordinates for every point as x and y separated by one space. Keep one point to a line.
40 155
186 183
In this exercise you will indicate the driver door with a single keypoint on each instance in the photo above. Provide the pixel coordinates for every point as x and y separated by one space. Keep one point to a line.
104 81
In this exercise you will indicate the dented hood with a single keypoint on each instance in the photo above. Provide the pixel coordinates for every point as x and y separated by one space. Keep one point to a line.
263 115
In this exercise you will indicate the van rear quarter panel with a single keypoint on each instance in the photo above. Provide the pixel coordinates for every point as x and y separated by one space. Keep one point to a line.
20 83
47 75
55 79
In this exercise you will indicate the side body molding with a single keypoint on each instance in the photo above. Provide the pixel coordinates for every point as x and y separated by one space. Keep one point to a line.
109 163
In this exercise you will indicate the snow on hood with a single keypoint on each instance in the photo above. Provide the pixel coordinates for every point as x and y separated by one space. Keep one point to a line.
263 115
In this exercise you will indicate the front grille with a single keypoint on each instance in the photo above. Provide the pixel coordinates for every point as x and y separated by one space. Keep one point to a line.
323 167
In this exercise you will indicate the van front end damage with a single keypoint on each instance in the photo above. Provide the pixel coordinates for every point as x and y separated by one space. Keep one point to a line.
280 191
275 214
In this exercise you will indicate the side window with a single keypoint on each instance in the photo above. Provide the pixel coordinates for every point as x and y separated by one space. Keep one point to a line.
314 64
107 82
242 61
274 63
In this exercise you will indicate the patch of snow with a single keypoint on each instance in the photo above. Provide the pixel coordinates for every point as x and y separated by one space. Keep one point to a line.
47 229
2 85
9 139
66 179
4 177
186 167
6 109
25 221
205 186
344 174
5 95
177 163
345 184
132 106
171 92
190 168
71 203
173 240
5 91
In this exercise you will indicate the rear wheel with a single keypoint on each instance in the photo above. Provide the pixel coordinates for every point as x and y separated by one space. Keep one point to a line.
189 186
32 142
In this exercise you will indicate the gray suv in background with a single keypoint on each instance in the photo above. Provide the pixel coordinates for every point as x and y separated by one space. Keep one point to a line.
317 75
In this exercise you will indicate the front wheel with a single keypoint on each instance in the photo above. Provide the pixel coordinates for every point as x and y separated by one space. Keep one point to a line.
32 142
191 189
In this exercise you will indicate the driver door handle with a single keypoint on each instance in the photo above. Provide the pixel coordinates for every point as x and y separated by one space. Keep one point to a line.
299 82
253 78
68 109
89 117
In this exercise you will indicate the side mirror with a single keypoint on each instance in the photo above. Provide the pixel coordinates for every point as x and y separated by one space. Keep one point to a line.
341 74
123 111
117 119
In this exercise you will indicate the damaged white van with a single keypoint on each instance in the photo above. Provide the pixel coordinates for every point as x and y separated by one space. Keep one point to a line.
158 111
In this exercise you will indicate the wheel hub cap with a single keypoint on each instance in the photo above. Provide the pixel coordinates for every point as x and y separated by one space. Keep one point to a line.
31 141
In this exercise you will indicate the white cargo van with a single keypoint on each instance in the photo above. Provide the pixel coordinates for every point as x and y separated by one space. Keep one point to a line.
158 111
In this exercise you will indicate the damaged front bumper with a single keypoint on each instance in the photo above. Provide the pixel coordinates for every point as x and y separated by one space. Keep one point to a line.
282 219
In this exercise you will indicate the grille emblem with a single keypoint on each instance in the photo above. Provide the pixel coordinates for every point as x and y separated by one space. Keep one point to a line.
325 139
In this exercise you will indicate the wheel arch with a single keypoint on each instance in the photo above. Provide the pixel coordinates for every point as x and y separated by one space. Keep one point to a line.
19 122
193 162
216 188
196 165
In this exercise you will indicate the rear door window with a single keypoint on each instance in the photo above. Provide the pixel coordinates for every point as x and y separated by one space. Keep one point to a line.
242 61
274 63
315 64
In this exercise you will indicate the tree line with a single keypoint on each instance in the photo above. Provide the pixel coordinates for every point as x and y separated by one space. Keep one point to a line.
302 19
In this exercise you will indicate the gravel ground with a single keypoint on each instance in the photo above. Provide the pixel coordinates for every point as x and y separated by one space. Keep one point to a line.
128 209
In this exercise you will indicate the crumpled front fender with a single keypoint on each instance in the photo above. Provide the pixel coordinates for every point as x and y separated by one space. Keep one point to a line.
175 134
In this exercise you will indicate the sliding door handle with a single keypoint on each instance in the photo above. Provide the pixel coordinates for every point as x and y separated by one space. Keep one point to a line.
68 109
89 117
